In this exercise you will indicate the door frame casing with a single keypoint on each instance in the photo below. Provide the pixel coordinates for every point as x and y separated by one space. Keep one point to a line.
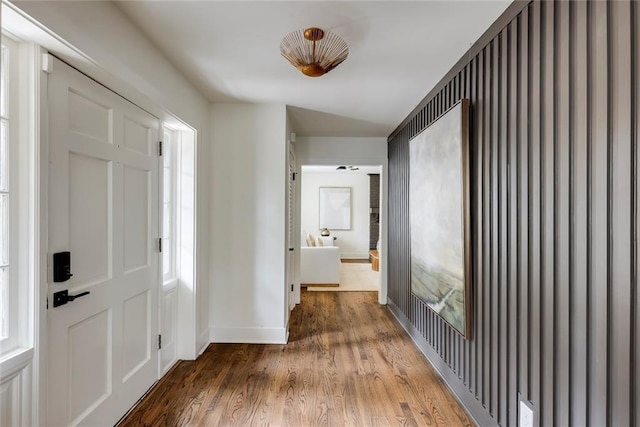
384 220
292 227
186 251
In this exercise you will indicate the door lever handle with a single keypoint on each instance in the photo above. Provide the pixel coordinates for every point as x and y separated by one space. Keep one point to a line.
81 294
63 297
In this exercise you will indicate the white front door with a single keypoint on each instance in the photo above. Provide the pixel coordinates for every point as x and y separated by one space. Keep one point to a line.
103 209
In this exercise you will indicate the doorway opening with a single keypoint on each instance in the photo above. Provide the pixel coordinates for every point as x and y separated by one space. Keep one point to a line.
340 208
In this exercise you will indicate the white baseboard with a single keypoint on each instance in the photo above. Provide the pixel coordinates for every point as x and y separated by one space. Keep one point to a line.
249 335
354 255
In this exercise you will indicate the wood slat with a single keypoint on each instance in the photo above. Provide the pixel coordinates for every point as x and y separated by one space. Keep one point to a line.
548 179
503 285
562 168
620 191
580 283
635 135
494 241
535 206
599 215
524 136
486 231
513 143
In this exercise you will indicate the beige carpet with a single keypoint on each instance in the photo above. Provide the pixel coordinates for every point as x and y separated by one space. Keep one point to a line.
354 277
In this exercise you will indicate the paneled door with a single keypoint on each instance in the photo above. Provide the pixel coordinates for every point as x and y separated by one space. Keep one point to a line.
103 209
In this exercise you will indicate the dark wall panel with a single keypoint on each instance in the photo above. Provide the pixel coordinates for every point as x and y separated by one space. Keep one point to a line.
374 211
555 237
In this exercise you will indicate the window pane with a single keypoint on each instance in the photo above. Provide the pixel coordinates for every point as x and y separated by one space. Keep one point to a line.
4 302
166 150
3 82
4 157
166 153
168 208
4 229
166 256
166 190
166 220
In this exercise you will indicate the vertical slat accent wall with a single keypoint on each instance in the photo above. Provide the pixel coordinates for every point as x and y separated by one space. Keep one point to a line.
554 131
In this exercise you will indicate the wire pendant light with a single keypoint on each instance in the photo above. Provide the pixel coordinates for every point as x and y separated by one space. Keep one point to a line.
313 51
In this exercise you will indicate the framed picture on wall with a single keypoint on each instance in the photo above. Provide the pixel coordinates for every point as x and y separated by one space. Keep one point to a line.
439 218
335 208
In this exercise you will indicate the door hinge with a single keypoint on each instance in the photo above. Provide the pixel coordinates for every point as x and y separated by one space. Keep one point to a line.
160 244
47 63
159 342
159 148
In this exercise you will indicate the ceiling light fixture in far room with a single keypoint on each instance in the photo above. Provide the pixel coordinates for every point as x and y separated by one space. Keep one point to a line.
344 168
314 51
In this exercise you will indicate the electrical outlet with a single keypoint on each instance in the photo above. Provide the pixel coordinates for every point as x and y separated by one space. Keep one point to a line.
526 414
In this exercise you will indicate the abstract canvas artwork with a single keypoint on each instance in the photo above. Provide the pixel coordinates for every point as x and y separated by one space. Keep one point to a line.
335 208
439 218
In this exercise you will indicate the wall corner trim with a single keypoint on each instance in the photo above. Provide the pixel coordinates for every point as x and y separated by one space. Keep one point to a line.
466 399
203 341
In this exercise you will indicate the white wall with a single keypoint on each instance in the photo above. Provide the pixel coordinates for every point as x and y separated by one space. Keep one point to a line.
328 151
353 243
248 223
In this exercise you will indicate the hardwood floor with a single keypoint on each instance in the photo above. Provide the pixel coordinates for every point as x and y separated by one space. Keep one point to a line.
348 363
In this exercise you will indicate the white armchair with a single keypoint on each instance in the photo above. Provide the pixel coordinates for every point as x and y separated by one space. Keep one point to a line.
320 266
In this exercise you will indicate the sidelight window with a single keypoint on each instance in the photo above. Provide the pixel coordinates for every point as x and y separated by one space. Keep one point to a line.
169 209
15 204
4 199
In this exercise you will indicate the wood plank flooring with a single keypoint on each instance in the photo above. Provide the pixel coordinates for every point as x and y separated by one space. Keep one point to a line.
348 363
